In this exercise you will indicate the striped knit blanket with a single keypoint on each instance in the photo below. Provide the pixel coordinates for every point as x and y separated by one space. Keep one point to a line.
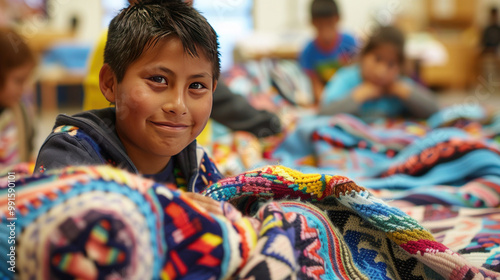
277 223
452 148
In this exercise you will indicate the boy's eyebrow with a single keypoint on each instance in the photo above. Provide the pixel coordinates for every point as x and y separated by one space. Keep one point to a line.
198 75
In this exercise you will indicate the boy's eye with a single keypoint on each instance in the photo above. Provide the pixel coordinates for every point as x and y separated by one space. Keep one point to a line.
158 79
196 86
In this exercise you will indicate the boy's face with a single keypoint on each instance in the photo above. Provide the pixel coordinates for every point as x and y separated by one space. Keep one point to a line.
381 66
163 102
326 29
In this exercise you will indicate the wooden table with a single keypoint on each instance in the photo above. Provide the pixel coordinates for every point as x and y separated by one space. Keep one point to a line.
50 81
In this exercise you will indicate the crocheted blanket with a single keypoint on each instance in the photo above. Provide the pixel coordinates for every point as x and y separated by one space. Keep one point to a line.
275 223
458 144
454 148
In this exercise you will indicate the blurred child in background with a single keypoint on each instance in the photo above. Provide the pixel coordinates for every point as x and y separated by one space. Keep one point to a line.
490 39
330 50
375 87
16 130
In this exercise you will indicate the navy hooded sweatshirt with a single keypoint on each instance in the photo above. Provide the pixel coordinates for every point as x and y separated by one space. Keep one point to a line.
89 138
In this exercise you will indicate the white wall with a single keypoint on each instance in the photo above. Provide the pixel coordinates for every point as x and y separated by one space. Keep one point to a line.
232 21
89 13
272 15
357 16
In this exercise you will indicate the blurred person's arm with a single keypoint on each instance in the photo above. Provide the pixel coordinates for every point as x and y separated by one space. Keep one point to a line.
419 100
346 105
235 112
345 92
351 103
317 86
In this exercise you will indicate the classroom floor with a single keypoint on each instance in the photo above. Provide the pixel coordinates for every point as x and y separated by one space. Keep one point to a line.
446 98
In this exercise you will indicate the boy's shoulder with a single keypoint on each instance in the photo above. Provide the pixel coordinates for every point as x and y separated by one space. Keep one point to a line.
85 138
66 129
90 126
103 119
347 35
310 45
347 38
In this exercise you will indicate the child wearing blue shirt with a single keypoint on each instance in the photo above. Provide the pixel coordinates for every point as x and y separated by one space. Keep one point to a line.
330 50
375 87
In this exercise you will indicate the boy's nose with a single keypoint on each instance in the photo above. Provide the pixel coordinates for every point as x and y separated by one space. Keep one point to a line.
174 101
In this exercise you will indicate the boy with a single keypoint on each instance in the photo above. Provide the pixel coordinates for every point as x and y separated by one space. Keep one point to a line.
161 65
330 50
229 109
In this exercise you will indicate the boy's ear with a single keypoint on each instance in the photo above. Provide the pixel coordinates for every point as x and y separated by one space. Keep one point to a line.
215 86
107 83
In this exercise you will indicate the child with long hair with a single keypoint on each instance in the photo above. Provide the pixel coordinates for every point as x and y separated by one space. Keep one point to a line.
376 87
16 130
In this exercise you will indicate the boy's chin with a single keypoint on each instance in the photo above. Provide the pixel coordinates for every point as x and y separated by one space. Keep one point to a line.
327 42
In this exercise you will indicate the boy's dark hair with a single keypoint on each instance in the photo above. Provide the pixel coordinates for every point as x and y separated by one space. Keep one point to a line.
324 8
14 52
386 35
141 26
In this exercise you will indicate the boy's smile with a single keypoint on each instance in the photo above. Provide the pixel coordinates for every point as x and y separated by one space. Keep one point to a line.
162 104
169 126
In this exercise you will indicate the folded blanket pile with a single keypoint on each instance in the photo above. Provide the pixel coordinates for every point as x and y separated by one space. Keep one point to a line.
277 223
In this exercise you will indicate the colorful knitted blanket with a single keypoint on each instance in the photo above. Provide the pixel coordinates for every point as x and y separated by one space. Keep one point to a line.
455 146
451 148
276 223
